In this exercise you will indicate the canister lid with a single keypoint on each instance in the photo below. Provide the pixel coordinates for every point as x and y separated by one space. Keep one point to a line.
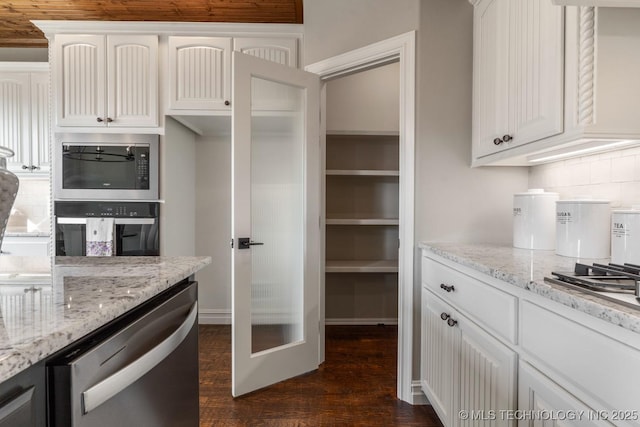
635 209
583 201
536 192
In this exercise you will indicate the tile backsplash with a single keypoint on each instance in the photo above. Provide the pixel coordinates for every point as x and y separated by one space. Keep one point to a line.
614 176
31 208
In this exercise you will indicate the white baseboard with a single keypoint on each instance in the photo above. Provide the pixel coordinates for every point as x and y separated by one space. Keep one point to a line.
214 317
417 396
361 321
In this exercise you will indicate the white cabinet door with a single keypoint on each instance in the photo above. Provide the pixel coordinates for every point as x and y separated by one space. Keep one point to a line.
537 394
132 81
537 72
518 73
199 73
80 78
439 342
485 375
24 120
490 74
276 49
40 140
464 370
106 81
14 117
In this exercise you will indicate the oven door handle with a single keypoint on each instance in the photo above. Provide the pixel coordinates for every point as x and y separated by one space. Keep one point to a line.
117 221
114 384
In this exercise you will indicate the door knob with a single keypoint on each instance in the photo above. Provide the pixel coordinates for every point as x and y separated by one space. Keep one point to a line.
246 243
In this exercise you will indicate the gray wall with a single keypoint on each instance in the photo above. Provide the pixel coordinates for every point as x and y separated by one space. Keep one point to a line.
32 54
452 201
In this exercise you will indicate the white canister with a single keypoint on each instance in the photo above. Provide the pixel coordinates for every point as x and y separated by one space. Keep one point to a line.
583 228
534 220
625 236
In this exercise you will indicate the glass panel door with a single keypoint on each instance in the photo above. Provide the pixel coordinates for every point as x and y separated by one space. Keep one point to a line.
276 200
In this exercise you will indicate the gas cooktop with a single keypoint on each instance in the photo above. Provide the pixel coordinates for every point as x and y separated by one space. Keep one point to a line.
619 283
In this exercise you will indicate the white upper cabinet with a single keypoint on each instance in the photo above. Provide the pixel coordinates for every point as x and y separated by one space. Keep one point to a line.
567 86
24 116
106 80
200 69
199 73
518 74
280 50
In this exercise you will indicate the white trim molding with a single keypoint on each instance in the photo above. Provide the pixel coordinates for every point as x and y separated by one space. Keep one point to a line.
400 49
214 316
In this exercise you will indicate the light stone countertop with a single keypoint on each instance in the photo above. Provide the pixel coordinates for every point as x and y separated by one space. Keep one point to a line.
49 303
526 269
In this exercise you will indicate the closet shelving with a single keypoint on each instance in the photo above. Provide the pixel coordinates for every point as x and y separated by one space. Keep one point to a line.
362 182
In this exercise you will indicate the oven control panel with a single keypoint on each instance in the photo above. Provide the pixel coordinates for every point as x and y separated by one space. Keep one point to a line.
107 209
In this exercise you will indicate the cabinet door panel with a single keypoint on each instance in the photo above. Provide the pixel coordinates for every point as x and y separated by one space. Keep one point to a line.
14 113
537 73
133 80
538 394
491 75
486 374
281 50
40 156
438 356
199 73
81 79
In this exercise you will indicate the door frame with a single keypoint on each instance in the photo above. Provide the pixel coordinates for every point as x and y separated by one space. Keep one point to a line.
402 49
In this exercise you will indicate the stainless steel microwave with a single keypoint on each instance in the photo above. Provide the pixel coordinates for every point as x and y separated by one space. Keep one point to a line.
105 167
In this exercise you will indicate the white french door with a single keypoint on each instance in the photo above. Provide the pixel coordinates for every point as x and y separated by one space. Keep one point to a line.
276 228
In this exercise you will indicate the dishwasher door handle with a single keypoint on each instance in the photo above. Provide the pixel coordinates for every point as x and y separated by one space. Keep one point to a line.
114 384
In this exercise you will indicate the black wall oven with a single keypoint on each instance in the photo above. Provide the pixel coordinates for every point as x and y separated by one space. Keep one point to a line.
105 167
135 227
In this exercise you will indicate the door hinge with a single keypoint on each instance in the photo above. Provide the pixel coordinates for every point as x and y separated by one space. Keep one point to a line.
231 243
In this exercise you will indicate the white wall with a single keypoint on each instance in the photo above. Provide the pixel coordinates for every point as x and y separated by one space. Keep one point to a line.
337 26
213 226
30 54
614 176
177 188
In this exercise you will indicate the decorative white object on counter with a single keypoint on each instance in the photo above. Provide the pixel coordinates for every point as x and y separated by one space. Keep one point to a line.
583 228
534 220
625 236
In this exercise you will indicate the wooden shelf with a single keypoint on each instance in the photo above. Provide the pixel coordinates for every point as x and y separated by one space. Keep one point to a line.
362 221
366 266
362 172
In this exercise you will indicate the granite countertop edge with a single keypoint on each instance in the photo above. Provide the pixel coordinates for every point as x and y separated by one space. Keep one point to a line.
526 269
77 323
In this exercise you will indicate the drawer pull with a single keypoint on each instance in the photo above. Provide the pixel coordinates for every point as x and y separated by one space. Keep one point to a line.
452 322
444 316
447 288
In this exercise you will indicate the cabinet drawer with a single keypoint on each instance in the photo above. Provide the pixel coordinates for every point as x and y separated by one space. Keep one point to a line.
485 304
602 368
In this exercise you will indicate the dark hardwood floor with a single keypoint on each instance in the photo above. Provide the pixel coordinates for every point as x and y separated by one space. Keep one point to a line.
356 386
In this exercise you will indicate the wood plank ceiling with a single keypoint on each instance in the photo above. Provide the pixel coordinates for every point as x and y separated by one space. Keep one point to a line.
16 30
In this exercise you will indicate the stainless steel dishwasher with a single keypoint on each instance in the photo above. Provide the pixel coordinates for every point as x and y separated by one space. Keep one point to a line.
139 370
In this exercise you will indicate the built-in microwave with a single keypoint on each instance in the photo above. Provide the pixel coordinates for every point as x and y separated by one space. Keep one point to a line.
105 167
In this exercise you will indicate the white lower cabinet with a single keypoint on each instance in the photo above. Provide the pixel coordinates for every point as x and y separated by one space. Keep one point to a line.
484 342
468 375
551 405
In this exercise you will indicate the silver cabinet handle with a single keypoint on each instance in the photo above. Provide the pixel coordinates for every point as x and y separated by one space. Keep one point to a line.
110 386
